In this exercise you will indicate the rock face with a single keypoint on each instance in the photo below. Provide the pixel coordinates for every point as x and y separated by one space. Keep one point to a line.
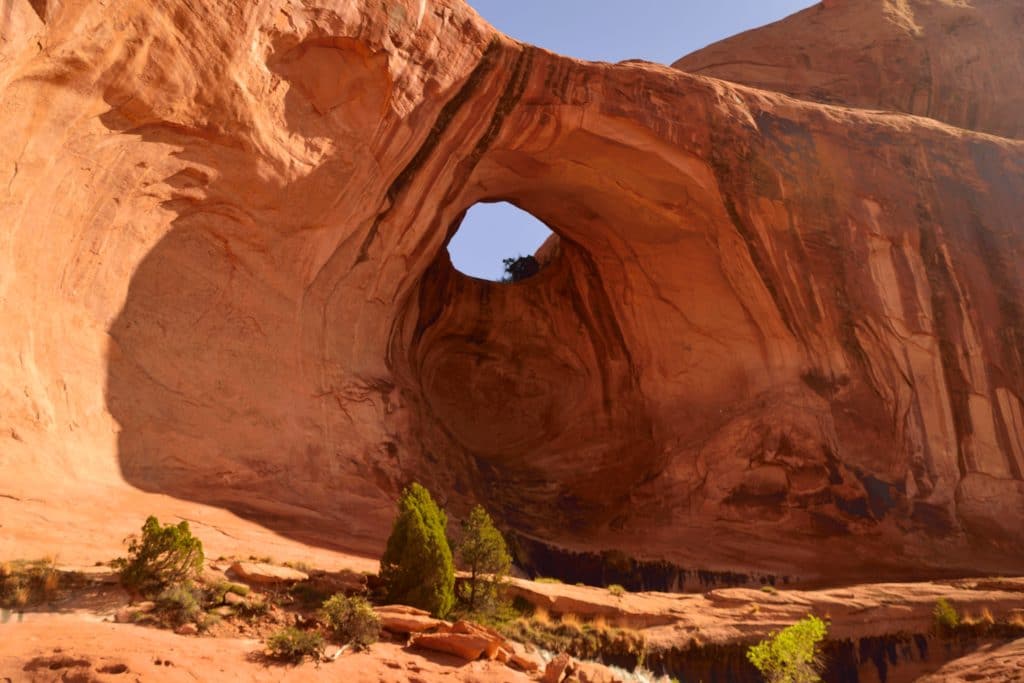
960 63
1000 663
793 327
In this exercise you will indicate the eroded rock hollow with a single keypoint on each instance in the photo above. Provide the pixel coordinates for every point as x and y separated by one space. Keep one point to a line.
778 329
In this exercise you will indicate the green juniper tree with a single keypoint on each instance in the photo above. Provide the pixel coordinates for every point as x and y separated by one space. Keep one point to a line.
792 655
166 555
484 554
417 566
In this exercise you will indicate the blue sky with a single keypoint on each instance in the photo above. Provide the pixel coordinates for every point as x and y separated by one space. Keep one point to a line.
599 30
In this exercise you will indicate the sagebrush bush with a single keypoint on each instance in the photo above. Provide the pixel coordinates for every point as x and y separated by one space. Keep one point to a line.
417 567
616 590
291 644
179 604
352 620
163 556
792 655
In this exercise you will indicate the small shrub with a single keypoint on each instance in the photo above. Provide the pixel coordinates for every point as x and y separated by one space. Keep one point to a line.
616 590
771 590
178 604
352 620
165 555
546 579
791 655
251 610
294 645
520 268
945 616
311 594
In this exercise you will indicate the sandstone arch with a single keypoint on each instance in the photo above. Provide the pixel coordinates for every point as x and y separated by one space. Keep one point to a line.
767 319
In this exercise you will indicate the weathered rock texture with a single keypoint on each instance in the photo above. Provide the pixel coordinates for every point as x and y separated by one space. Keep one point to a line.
771 333
958 62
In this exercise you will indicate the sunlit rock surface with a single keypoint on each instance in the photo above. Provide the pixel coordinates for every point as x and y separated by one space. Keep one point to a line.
771 334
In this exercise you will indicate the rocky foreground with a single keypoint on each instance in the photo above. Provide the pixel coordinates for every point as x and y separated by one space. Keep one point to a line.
877 632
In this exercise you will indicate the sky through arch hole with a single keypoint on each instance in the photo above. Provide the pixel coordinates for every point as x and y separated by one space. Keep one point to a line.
491 233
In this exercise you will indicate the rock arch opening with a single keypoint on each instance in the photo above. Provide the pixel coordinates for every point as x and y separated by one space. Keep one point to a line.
500 242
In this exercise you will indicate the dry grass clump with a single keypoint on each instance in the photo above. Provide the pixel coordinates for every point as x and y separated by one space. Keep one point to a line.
569 633
32 582
541 615
571 620
984 618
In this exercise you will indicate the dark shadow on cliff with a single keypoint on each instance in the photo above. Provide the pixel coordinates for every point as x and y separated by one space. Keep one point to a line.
204 372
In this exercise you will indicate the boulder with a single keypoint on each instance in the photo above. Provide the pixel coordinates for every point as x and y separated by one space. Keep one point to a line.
494 639
403 619
524 658
464 639
465 645
235 599
264 573
592 672
559 667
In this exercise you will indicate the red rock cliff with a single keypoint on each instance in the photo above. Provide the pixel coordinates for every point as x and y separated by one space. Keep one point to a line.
773 333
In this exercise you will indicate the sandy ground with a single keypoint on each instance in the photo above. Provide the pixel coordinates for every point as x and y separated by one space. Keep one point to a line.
82 647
